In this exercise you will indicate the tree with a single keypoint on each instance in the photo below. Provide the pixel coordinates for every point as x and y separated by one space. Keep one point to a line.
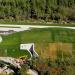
37 9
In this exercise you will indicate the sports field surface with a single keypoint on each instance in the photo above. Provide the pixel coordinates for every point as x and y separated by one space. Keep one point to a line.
41 37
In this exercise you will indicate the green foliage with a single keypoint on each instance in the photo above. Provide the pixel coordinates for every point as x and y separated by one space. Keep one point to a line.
37 9
24 69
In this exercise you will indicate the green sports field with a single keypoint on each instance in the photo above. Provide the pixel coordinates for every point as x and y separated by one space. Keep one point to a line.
11 43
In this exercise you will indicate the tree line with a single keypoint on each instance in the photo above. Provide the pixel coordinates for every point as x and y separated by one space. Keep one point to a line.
38 9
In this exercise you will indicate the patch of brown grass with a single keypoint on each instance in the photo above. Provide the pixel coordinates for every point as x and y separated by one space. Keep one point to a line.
50 50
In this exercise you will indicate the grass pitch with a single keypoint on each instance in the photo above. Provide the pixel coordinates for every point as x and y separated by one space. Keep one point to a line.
11 43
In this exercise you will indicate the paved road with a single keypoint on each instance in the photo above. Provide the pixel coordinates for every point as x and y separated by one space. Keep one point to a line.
28 27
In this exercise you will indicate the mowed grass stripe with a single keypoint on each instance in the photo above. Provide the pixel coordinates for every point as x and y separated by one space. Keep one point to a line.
48 35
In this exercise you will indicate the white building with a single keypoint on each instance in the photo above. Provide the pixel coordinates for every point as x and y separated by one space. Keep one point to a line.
30 48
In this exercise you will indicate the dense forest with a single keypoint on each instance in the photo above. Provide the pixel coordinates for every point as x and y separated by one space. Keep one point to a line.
59 10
